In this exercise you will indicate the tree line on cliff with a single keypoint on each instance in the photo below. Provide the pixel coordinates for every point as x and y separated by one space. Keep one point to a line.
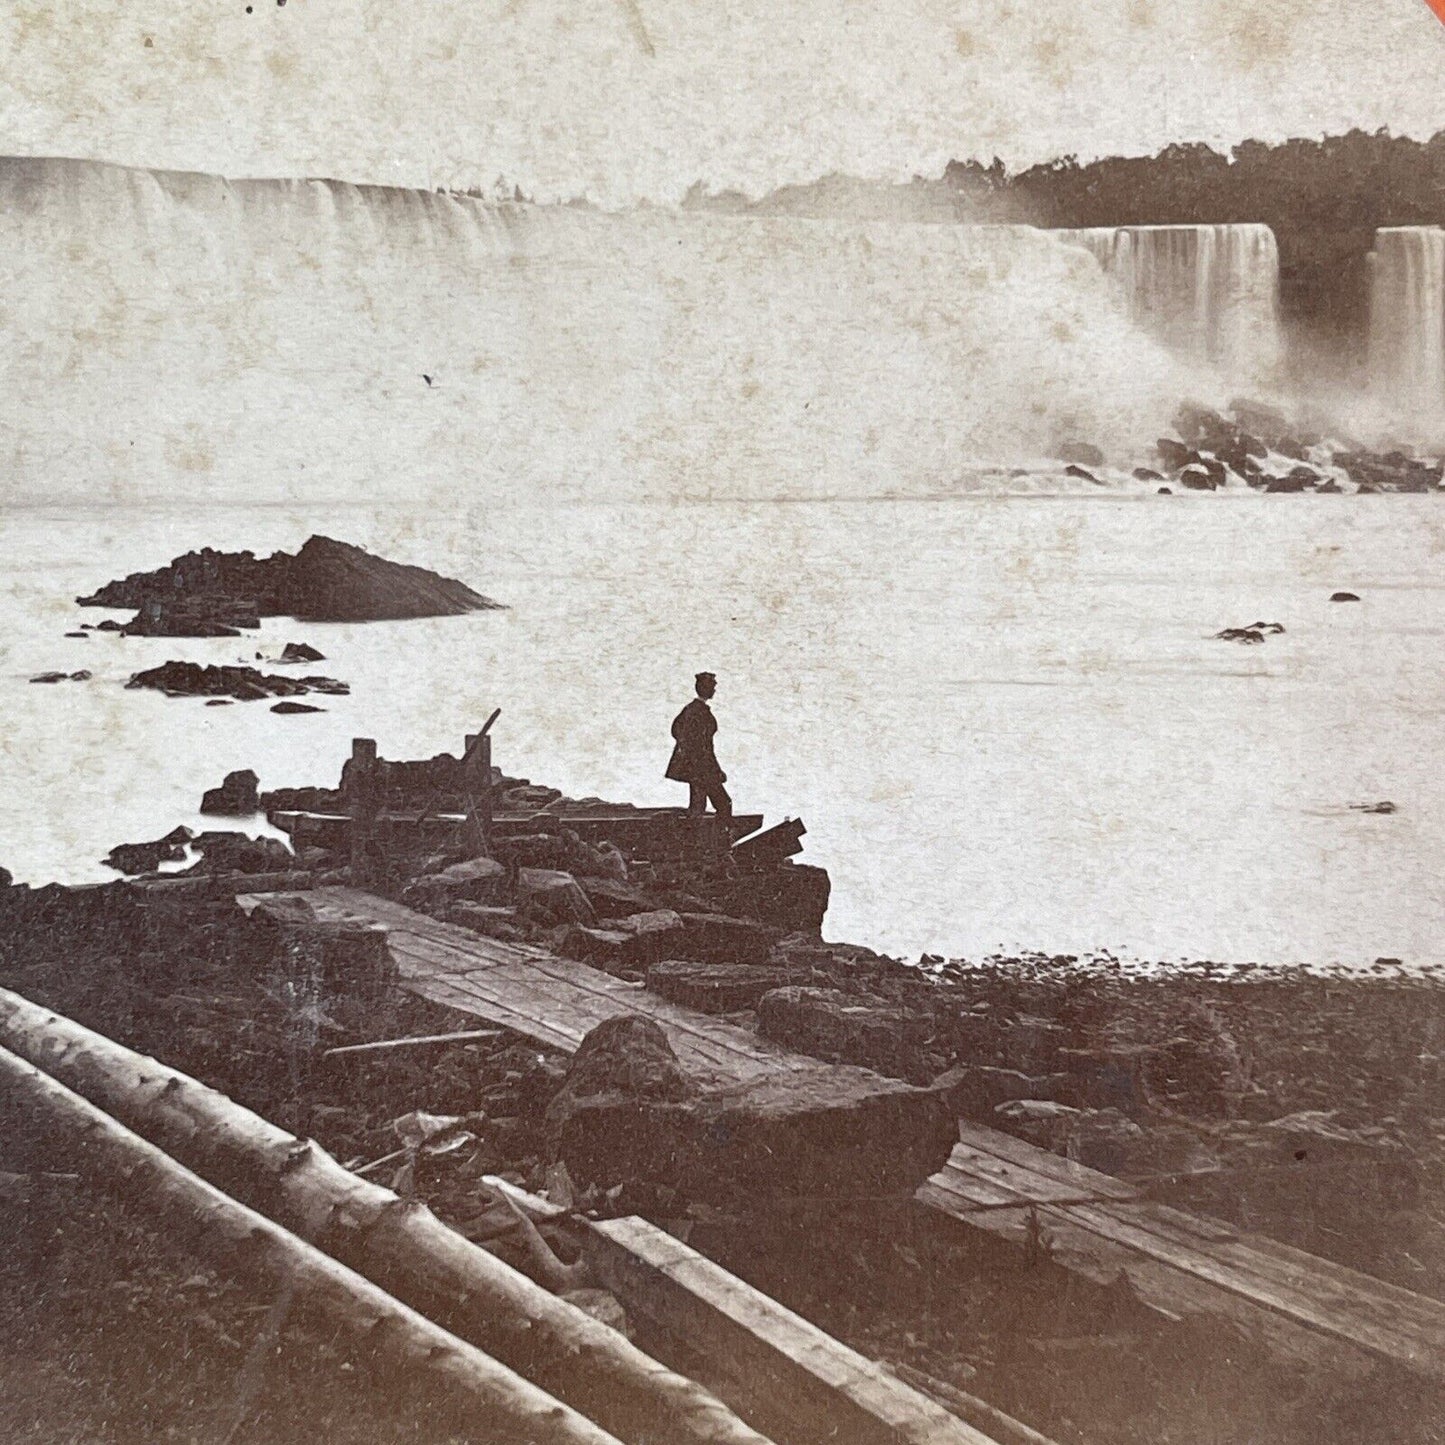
1324 200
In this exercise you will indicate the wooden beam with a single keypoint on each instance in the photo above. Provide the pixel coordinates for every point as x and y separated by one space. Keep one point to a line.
362 795
783 1374
381 1046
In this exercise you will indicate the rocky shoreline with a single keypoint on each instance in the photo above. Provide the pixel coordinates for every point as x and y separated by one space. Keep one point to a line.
1308 1108
1258 446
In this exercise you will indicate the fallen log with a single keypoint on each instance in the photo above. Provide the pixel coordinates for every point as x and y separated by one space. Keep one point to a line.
242 1243
402 1246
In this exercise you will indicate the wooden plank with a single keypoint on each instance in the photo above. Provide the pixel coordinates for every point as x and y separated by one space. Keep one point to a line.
1026 1183
1338 1302
1402 1324
789 1378
810 1386
1041 1161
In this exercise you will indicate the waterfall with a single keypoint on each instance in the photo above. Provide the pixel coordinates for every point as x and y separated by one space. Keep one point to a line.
1209 293
183 335
1407 319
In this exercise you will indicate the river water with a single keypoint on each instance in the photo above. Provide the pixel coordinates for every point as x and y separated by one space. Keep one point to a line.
1004 719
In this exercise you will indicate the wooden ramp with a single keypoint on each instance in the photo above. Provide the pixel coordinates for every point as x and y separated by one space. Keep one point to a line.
1180 1265
544 997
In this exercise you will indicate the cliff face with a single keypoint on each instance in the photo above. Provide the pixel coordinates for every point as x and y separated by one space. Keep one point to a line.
326 581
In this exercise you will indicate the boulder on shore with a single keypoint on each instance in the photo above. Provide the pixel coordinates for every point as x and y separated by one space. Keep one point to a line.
844 1028
210 593
714 988
839 1131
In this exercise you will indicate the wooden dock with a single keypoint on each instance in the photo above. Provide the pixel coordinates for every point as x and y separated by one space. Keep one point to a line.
1177 1264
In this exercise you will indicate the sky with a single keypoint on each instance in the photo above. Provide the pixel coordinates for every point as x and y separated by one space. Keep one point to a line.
621 101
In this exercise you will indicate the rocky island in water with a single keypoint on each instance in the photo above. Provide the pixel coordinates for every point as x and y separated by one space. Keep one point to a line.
216 594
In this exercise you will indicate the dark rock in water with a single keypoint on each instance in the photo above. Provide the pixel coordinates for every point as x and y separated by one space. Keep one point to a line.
714 988
1390 471
1166 491
81 676
109 625
326 581
1197 478
1080 474
1147 474
1255 632
51 677
1174 455
1330 488
1344 597
292 708
1261 420
1217 470
131 858
236 853
301 652
83 636
183 616
303 800
1288 484
1083 454
1382 807
218 702
238 796
246 684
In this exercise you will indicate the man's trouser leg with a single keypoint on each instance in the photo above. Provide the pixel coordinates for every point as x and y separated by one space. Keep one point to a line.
721 802
697 797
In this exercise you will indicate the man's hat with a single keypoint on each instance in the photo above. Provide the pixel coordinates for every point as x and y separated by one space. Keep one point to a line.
705 677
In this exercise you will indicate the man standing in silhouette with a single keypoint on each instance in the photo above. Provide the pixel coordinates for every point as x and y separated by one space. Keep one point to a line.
693 760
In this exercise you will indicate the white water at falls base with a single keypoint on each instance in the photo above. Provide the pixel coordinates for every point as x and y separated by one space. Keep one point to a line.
1209 293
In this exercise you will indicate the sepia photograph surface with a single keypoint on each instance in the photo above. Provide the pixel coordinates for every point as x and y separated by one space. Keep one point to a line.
721 725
